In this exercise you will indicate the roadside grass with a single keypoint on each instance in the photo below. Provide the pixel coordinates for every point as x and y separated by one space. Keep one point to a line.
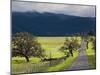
35 65
65 64
91 56
29 67
19 65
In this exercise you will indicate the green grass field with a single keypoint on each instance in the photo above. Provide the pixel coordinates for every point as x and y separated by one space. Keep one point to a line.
91 55
51 46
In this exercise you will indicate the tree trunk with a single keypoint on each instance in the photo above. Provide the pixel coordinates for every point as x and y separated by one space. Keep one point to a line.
27 59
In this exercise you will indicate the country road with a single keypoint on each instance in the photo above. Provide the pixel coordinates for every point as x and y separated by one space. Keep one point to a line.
81 63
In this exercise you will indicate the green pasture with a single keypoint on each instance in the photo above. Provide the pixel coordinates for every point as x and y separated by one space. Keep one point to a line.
51 46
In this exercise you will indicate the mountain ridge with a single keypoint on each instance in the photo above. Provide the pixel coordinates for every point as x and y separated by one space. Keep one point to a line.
50 23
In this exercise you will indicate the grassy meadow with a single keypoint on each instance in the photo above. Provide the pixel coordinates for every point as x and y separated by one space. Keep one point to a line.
51 45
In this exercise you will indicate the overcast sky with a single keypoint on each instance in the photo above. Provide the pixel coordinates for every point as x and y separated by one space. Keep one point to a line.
76 10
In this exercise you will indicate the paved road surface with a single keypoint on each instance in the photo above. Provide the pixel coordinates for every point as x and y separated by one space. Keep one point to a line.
81 62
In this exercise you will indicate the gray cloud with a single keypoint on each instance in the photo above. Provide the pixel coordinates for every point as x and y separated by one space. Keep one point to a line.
77 10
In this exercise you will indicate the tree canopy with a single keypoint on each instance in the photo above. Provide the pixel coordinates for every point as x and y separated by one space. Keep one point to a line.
70 45
25 44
